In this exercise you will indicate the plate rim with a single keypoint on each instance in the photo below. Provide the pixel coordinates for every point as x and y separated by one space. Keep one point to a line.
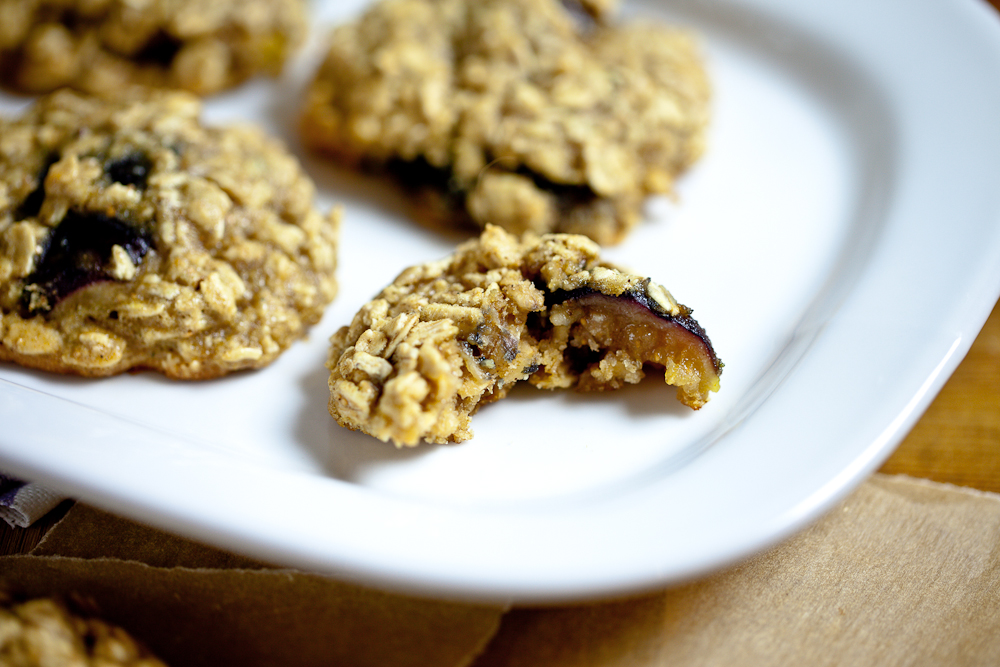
874 442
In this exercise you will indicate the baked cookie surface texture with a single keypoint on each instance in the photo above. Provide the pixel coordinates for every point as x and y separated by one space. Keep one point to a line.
133 236
102 46
43 633
518 113
449 336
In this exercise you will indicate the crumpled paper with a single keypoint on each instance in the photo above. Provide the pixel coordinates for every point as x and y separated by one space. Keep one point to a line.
903 572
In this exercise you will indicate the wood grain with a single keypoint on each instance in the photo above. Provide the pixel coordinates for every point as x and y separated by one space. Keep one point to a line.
958 439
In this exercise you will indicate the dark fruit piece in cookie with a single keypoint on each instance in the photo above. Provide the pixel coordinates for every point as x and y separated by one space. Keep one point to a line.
449 336
646 326
32 204
130 169
161 49
82 251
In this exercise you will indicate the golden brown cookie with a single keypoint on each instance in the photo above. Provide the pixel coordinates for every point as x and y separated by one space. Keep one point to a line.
449 336
103 46
42 632
133 236
518 113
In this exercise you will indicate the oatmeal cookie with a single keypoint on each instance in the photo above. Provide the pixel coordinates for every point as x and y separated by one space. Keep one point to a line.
102 46
132 236
511 112
449 336
42 632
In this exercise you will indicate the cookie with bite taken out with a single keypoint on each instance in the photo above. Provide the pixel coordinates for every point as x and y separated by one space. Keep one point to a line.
450 336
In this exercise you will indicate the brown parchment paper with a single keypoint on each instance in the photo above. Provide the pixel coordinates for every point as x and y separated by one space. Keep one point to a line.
195 605
904 572
87 532
258 617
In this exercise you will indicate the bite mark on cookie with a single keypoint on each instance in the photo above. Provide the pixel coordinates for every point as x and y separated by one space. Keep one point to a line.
450 336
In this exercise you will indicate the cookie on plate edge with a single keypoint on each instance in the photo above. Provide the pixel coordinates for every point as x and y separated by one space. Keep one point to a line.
134 237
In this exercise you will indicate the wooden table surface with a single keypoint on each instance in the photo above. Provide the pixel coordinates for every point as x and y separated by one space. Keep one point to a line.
958 439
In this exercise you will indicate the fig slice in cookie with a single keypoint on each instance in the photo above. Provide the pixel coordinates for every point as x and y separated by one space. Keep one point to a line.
616 336
449 336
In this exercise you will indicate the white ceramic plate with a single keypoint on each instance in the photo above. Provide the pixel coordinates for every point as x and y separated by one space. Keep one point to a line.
840 242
